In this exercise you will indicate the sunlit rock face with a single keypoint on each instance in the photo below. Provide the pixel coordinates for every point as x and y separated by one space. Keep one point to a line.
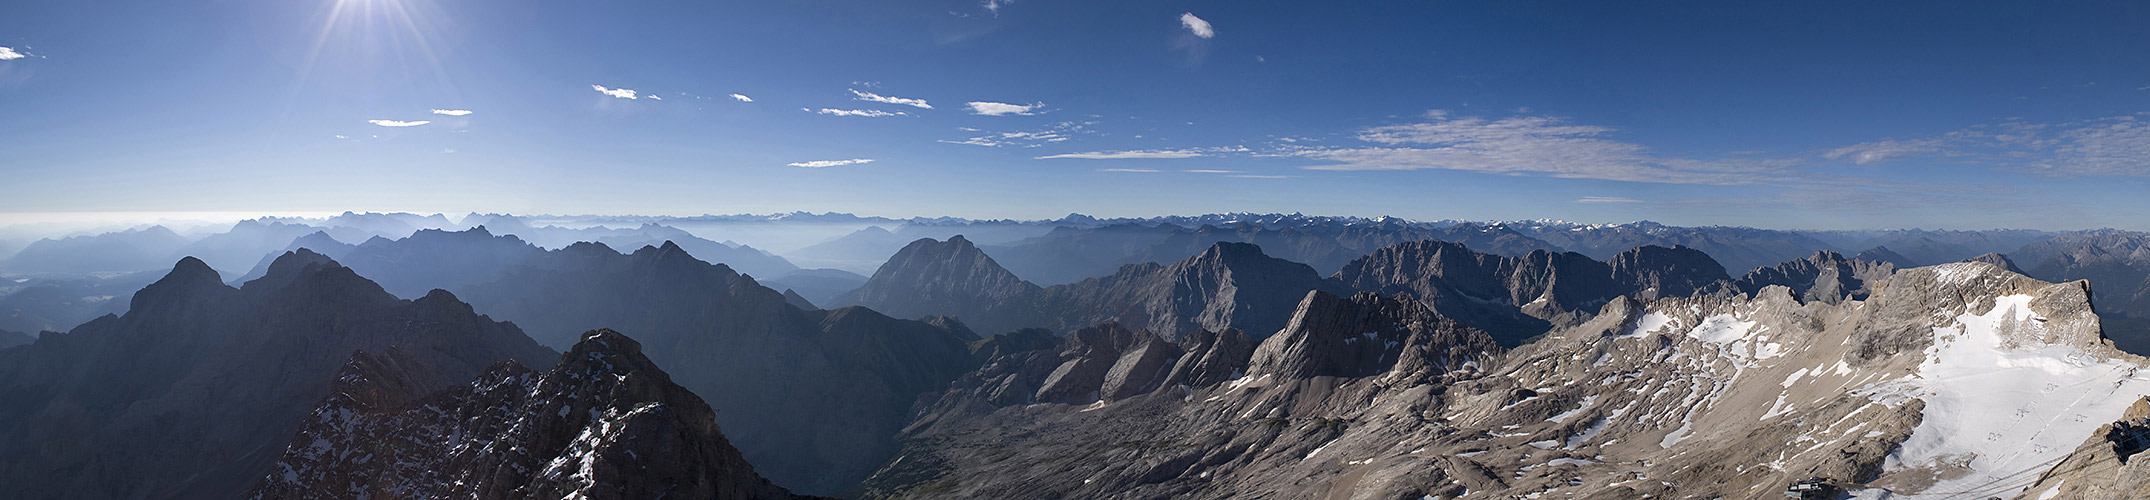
1945 378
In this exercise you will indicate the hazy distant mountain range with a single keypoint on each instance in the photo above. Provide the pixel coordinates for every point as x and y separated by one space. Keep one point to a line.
1217 356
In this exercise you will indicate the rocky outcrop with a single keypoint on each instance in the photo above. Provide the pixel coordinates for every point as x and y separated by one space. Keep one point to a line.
2104 467
1365 335
182 396
1516 298
604 422
1653 271
1825 276
1997 260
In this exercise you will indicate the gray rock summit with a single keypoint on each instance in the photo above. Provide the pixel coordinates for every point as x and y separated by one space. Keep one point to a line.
1825 276
603 423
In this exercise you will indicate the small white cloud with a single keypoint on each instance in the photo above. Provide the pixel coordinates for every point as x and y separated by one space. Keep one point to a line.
994 5
1606 199
830 163
742 98
451 112
872 97
1142 170
1197 26
398 123
1879 151
620 93
654 97
1003 109
871 113
7 53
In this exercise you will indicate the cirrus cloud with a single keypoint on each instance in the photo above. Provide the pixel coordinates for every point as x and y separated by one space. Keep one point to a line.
858 95
989 108
830 163
398 123
869 113
452 112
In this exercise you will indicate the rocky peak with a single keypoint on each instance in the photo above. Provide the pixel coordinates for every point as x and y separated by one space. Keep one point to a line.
190 281
603 423
1105 363
1826 276
1654 271
1366 334
1998 260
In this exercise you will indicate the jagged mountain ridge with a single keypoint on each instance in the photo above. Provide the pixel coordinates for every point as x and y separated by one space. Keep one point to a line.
1825 276
1734 396
1231 285
604 422
1516 298
181 396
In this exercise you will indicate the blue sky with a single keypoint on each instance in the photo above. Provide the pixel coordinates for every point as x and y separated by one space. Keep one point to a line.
1806 115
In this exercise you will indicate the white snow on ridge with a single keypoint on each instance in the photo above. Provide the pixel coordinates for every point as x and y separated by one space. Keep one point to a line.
1650 323
2004 411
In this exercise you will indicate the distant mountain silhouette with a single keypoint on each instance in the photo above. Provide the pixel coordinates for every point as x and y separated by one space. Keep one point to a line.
189 393
124 251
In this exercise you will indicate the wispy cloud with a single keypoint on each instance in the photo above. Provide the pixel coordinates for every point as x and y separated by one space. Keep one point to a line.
1253 176
1531 145
1878 151
871 113
9 53
1058 132
620 93
1606 199
1211 171
830 163
398 123
988 108
995 5
2111 146
742 98
858 95
1141 170
1197 26
1148 154
451 112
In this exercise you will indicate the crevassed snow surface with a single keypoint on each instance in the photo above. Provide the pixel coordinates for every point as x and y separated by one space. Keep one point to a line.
2007 411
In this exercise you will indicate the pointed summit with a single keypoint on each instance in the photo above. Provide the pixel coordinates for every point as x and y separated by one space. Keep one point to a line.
952 277
603 423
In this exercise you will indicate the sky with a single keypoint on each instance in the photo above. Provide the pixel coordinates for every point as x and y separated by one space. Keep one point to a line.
1794 115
